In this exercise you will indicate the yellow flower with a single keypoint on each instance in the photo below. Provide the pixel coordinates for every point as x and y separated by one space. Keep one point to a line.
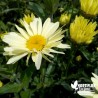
28 18
82 31
64 18
79 58
1 84
36 40
89 94
90 7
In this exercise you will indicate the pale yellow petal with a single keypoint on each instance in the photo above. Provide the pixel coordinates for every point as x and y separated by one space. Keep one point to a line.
28 29
39 31
22 31
63 46
87 94
37 59
34 26
14 59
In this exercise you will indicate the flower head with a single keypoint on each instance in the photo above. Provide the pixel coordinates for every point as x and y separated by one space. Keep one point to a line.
90 7
89 94
27 18
37 40
65 18
82 31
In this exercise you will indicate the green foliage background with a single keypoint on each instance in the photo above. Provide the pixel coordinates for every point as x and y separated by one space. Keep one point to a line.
54 79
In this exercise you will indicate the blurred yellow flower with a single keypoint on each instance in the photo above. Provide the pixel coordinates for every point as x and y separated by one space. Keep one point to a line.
2 35
91 94
27 18
82 31
90 7
1 84
64 18
78 58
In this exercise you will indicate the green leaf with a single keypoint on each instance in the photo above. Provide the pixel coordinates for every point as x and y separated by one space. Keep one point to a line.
37 9
51 5
8 10
2 27
27 75
49 69
10 88
66 86
25 94
86 54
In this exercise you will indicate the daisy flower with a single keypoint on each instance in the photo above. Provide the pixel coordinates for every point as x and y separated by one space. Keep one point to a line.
35 41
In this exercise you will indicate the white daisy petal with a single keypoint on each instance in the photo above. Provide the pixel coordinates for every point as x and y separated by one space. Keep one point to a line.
8 53
52 29
13 39
46 25
28 28
39 26
14 59
34 25
13 36
63 46
95 82
46 53
59 32
8 49
23 32
95 96
37 59
15 51
95 75
14 43
56 39
86 94
54 51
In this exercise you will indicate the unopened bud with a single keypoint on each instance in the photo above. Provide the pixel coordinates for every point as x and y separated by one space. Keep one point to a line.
78 58
64 19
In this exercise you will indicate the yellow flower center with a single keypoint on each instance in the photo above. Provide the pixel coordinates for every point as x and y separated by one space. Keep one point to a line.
36 42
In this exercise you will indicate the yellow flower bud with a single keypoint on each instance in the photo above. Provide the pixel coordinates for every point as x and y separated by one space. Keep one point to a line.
27 18
64 18
2 35
1 84
78 58
61 9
